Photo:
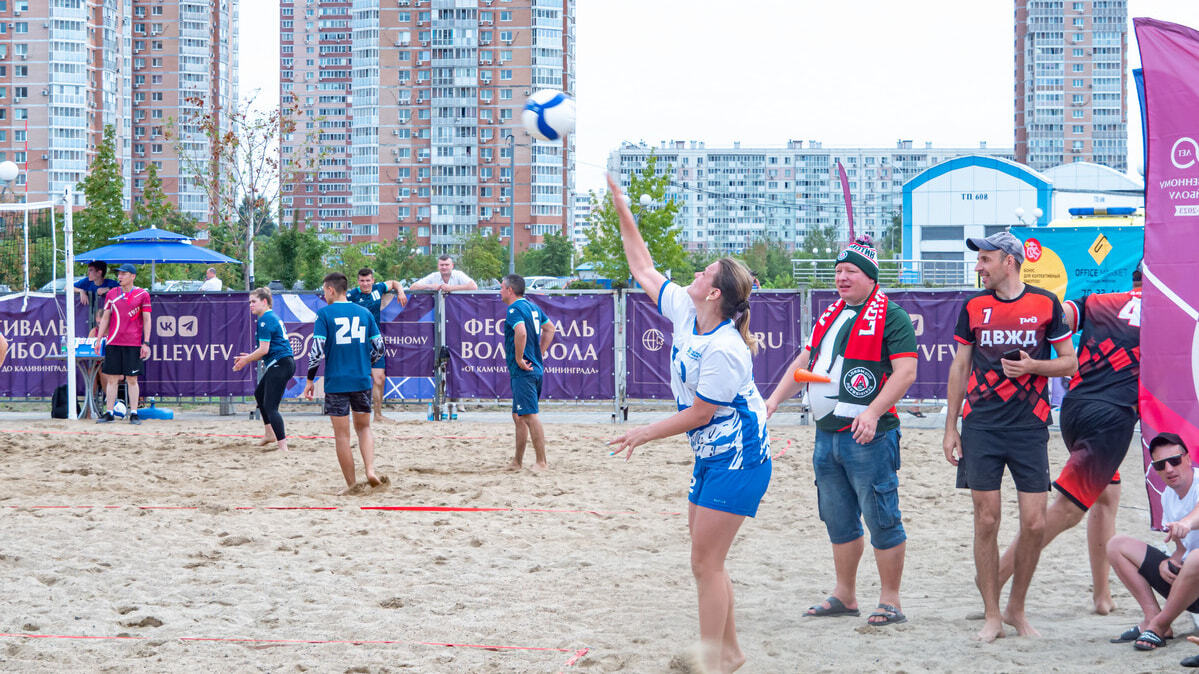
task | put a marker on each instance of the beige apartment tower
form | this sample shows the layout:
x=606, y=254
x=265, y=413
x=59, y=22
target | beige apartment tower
x=417, y=104
x=1071, y=105
x=68, y=68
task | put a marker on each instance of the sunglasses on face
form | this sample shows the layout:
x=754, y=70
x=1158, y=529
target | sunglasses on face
x=1160, y=464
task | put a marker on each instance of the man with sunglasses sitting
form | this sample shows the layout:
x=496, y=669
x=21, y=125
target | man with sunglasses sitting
x=1144, y=568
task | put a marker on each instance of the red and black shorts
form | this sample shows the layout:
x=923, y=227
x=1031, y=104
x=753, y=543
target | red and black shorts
x=1097, y=434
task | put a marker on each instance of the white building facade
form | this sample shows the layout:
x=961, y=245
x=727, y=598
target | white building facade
x=730, y=197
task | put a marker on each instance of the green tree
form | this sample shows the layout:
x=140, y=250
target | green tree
x=232, y=154
x=153, y=209
x=104, y=217
x=291, y=255
x=821, y=244
x=261, y=217
x=772, y=263
x=483, y=257
x=553, y=259
x=398, y=259
x=890, y=245
x=655, y=222
x=355, y=256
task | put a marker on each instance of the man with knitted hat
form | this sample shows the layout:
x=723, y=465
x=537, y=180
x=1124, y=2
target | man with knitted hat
x=866, y=346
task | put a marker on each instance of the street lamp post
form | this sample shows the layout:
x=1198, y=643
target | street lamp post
x=512, y=204
x=1036, y=215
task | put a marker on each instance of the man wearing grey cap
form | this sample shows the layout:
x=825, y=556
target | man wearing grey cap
x=1007, y=337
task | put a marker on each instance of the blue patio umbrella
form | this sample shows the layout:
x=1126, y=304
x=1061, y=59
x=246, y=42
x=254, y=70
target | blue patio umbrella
x=153, y=246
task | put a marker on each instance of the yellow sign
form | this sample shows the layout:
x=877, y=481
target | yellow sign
x=1099, y=249
x=1047, y=272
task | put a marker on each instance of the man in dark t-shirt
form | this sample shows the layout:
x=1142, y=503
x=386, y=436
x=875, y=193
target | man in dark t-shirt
x=1098, y=417
x=1006, y=337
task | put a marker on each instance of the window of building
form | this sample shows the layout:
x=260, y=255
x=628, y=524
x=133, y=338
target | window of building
x=1076, y=67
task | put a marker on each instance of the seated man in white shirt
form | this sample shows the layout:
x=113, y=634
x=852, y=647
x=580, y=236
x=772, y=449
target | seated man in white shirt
x=211, y=282
x=446, y=278
x=1144, y=568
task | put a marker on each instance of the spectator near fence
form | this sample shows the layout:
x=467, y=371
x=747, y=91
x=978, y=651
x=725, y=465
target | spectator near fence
x=446, y=278
x=211, y=283
x=92, y=291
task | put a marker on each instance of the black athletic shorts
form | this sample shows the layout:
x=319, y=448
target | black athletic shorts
x=1097, y=434
x=985, y=451
x=126, y=360
x=340, y=404
x=1150, y=570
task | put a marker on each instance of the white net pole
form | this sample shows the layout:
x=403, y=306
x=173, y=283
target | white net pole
x=25, y=302
x=54, y=253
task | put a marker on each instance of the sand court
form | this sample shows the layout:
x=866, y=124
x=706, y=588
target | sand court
x=183, y=546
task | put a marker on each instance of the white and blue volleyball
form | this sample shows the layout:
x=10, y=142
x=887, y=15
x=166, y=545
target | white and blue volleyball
x=118, y=409
x=549, y=114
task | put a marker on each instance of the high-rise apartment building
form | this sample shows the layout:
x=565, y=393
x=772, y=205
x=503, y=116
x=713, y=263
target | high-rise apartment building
x=64, y=75
x=68, y=68
x=184, y=59
x=730, y=197
x=410, y=106
x=1071, y=59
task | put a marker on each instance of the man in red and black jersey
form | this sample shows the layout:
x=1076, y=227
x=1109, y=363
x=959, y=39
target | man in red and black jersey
x=1006, y=337
x=1098, y=417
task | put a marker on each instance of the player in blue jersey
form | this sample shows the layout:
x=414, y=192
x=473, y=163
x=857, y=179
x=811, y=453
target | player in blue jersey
x=527, y=336
x=373, y=297
x=279, y=365
x=723, y=415
x=347, y=337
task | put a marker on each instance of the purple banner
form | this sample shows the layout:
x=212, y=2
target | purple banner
x=776, y=319
x=934, y=315
x=407, y=335
x=33, y=327
x=582, y=356
x=1169, y=393
x=193, y=341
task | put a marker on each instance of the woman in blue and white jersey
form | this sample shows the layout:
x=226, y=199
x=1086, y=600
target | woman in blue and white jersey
x=722, y=413
x=274, y=350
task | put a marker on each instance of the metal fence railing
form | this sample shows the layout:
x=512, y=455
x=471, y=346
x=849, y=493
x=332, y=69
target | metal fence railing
x=925, y=273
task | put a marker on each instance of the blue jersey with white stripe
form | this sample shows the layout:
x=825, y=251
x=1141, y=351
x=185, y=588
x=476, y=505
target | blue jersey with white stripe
x=345, y=332
x=531, y=315
x=715, y=367
x=372, y=301
x=270, y=329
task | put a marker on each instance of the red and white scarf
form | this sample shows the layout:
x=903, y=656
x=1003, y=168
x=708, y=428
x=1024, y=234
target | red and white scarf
x=866, y=336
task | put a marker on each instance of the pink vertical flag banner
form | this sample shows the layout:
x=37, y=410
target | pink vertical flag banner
x=848, y=201
x=1169, y=395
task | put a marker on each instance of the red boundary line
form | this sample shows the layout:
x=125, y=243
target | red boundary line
x=578, y=653
x=227, y=435
x=429, y=509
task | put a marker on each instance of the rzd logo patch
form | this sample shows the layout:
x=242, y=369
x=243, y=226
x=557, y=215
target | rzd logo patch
x=859, y=382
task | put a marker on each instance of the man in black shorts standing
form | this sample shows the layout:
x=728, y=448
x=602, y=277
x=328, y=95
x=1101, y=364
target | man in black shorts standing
x=1098, y=417
x=1005, y=335
x=126, y=322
